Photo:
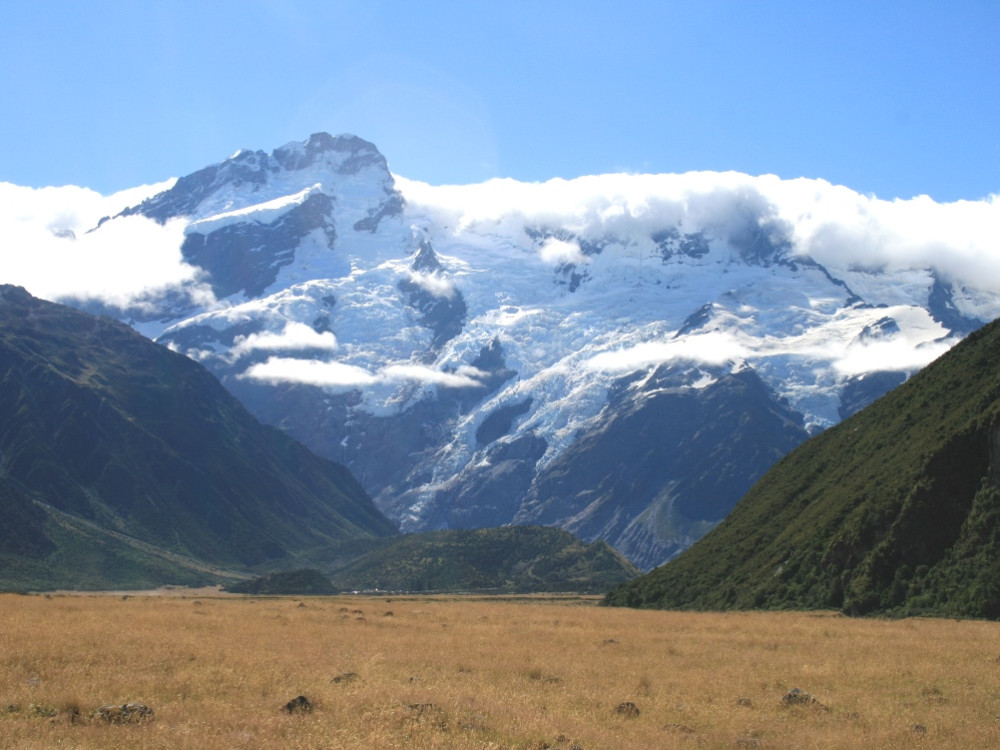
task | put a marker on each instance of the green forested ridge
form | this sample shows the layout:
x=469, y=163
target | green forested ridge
x=896, y=510
x=101, y=429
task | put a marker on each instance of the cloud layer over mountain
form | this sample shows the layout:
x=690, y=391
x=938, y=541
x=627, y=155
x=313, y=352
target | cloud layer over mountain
x=50, y=251
x=831, y=224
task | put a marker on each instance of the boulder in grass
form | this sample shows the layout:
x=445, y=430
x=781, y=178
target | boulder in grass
x=627, y=709
x=127, y=713
x=797, y=697
x=299, y=705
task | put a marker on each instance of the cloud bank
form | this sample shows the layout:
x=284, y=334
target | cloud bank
x=49, y=247
x=832, y=224
x=848, y=356
x=556, y=251
x=714, y=348
x=433, y=284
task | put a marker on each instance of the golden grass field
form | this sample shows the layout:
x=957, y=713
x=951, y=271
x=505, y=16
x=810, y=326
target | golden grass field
x=436, y=672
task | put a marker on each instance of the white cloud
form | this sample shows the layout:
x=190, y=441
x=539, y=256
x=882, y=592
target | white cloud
x=592, y=205
x=713, y=348
x=129, y=258
x=895, y=355
x=338, y=375
x=310, y=372
x=839, y=227
x=294, y=336
x=49, y=248
x=434, y=284
x=429, y=376
x=556, y=252
x=848, y=356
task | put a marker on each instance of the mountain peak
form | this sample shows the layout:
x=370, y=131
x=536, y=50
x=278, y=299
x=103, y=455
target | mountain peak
x=347, y=154
x=425, y=260
x=247, y=177
x=11, y=293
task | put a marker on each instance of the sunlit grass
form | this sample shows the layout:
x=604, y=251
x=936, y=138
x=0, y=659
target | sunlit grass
x=474, y=673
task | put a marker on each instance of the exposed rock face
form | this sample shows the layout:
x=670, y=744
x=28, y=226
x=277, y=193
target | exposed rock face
x=862, y=390
x=442, y=310
x=247, y=257
x=251, y=172
x=247, y=169
x=500, y=421
x=941, y=303
x=666, y=463
x=349, y=155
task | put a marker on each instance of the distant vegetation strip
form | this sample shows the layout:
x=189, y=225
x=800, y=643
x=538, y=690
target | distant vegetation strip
x=506, y=559
x=305, y=582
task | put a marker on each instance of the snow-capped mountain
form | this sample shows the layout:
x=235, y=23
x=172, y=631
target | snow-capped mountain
x=621, y=356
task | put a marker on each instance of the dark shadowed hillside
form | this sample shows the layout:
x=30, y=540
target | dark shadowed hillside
x=124, y=463
x=895, y=510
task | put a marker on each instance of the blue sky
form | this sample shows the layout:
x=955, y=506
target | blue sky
x=894, y=99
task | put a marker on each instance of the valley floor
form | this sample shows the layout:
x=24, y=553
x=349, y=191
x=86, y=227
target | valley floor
x=451, y=672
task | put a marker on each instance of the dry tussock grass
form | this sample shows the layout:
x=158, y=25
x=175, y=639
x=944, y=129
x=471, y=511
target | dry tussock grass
x=467, y=673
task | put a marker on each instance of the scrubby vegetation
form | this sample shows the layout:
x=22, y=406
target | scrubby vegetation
x=305, y=582
x=507, y=559
x=503, y=673
x=893, y=511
